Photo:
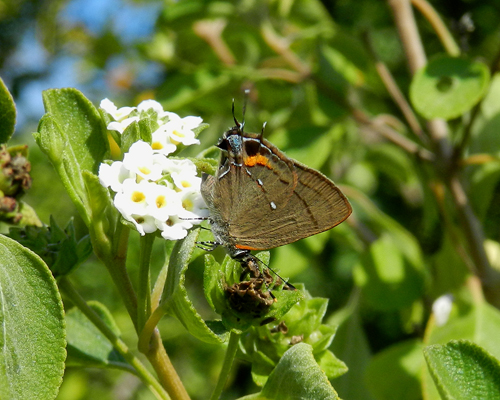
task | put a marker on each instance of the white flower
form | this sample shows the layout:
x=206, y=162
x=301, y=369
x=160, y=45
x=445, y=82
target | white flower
x=186, y=180
x=161, y=142
x=132, y=198
x=118, y=114
x=180, y=130
x=195, y=208
x=173, y=228
x=179, y=166
x=150, y=104
x=442, y=308
x=114, y=175
x=120, y=126
x=141, y=160
x=133, y=206
x=152, y=191
x=143, y=223
x=163, y=202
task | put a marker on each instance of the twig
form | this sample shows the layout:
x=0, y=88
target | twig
x=437, y=23
x=393, y=136
x=396, y=94
x=446, y=165
x=282, y=47
x=479, y=159
x=473, y=231
x=408, y=32
x=439, y=193
x=211, y=32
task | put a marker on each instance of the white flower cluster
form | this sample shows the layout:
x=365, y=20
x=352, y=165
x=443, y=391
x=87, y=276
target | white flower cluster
x=152, y=191
x=172, y=131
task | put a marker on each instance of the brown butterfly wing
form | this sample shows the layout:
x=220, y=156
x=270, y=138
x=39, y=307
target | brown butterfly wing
x=267, y=205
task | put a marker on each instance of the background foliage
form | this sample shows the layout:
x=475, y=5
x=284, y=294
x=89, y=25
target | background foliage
x=314, y=70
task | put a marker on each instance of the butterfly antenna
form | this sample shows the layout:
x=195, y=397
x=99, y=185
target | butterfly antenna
x=245, y=102
x=234, y=116
x=261, y=136
x=289, y=285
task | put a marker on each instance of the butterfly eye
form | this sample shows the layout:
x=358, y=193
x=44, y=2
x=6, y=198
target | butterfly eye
x=222, y=144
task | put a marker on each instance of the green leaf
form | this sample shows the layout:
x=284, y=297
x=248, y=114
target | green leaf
x=479, y=323
x=393, y=162
x=351, y=346
x=73, y=136
x=447, y=87
x=87, y=346
x=338, y=71
x=104, y=215
x=31, y=326
x=331, y=365
x=378, y=221
x=310, y=145
x=263, y=346
x=485, y=128
x=403, y=362
x=138, y=130
x=81, y=123
x=207, y=165
x=57, y=247
x=297, y=376
x=7, y=113
x=484, y=183
x=186, y=89
x=175, y=300
x=446, y=280
x=463, y=370
x=390, y=279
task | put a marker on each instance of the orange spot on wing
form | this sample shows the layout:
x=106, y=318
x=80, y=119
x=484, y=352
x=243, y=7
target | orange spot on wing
x=242, y=247
x=257, y=159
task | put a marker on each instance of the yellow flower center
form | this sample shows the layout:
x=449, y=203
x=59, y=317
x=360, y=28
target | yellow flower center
x=161, y=201
x=178, y=134
x=145, y=170
x=187, y=204
x=156, y=146
x=138, y=197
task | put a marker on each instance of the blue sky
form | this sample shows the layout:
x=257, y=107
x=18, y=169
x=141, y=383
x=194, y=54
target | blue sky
x=132, y=22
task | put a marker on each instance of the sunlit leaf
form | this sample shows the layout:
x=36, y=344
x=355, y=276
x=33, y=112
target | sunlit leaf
x=297, y=376
x=87, y=346
x=31, y=326
x=7, y=113
x=403, y=362
x=462, y=370
x=447, y=87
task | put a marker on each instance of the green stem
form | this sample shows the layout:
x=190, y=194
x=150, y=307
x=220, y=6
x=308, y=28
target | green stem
x=148, y=330
x=167, y=374
x=232, y=346
x=144, y=289
x=141, y=371
x=114, y=257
